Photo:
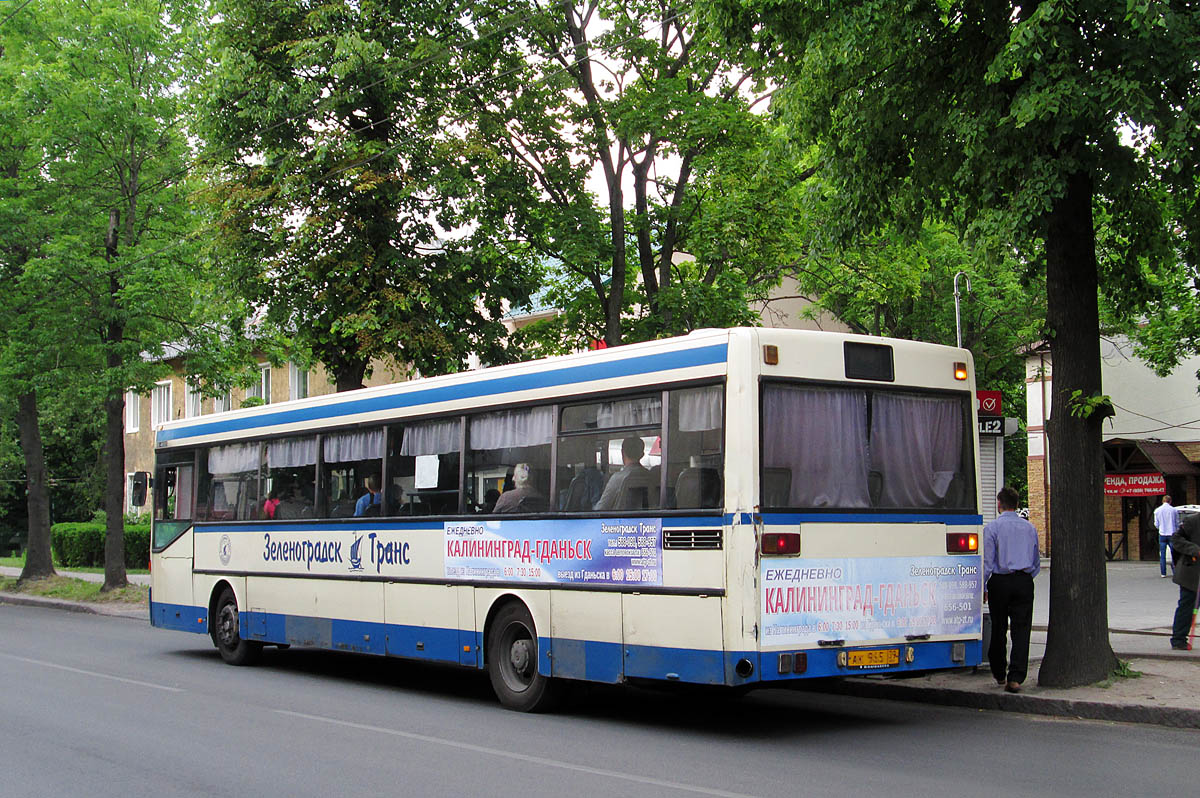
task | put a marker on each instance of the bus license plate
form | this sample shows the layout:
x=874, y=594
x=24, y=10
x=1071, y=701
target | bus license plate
x=874, y=658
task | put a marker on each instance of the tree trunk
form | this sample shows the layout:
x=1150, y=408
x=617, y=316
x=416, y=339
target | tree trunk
x=114, y=427
x=348, y=373
x=1077, y=647
x=38, y=562
x=114, y=492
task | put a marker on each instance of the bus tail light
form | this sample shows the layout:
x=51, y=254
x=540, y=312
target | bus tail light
x=962, y=542
x=780, y=543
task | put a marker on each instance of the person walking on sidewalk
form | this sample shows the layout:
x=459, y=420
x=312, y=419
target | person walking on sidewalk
x=1010, y=562
x=1166, y=521
x=1185, y=547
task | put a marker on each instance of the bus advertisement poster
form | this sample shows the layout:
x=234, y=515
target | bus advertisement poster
x=589, y=551
x=870, y=598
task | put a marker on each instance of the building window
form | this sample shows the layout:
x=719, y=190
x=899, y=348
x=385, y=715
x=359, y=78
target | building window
x=223, y=403
x=191, y=405
x=263, y=389
x=133, y=411
x=264, y=380
x=160, y=404
x=297, y=382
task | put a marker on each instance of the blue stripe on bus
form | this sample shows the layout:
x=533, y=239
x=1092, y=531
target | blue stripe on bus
x=569, y=658
x=180, y=617
x=592, y=372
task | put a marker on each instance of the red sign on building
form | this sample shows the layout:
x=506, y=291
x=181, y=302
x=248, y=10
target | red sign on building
x=1151, y=484
x=989, y=403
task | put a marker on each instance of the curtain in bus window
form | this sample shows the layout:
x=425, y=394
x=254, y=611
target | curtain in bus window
x=817, y=439
x=349, y=447
x=292, y=452
x=430, y=437
x=701, y=410
x=630, y=412
x=916, y=445
x=233, y=459
x=510, y=429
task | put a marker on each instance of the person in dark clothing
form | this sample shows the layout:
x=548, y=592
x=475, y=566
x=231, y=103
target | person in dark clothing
x=1010, y=562
x=1185, y=551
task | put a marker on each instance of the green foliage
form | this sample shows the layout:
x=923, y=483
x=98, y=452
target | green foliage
x=81, y=545
x=619, y=140
x=1098, y=405
x=340, y=182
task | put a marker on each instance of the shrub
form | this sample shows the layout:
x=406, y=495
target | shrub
x=81, y=545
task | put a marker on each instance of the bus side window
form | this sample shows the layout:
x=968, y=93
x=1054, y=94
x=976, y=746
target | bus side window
x=695, y=450
x=291, y=478
x=352, y=463
x=509, y=451
x=228, y=485
x=422, y=467
x=174, y=492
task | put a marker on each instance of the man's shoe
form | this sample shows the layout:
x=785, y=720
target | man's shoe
x=1012, y=687
x=1162, y=576
x=1180, y=647
x=1001, y=682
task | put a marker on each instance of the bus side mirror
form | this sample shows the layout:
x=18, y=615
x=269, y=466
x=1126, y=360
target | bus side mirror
x=141, y=481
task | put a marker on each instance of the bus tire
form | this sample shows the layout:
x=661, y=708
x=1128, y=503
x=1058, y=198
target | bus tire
x=226, y=635
x=512, y=659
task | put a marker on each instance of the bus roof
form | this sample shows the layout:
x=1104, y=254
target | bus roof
x=703, y=354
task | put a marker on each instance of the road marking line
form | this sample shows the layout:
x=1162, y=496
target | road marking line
x=69, y=669
x=536, y=760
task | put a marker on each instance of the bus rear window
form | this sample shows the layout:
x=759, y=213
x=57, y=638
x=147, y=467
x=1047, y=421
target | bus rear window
x=852, y=448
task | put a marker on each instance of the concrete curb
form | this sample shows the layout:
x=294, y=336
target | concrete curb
x=88, y=608
x=1030, y=705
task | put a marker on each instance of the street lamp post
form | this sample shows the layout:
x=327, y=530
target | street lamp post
x=957, y=315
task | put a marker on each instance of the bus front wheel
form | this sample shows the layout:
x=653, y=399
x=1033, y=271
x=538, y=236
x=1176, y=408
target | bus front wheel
x=226, y=635
x=512, y=662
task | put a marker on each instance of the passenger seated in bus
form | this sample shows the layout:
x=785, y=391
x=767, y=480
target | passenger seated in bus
x=489, y=501
x=584, y=491
x=522, y=480
x=369, y=499
x=271, y=504
x=292, y=504
x=632, y=475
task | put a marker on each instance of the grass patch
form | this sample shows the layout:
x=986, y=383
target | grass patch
x=1122, y=671
x=64, y=587
x=19, y=562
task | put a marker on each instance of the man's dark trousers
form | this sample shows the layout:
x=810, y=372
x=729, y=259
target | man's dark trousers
x=1010, y=598
x=1183, y=618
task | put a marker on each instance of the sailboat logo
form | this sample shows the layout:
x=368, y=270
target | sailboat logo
x=355, y=557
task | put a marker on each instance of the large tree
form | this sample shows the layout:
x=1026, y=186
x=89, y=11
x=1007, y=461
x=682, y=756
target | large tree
x=334, y=178
x=1026, y=120
x=113, y=152
x=611, y=130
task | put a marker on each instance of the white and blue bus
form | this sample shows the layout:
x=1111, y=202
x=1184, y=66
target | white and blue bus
x=735, y=507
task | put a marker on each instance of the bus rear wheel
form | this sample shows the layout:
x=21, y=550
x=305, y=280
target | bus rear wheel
x=512, y=662
x=226, y=635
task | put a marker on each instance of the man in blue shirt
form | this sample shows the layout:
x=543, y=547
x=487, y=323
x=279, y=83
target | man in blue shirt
x=1010, y=562
x=370, y=498
x=1166, y=520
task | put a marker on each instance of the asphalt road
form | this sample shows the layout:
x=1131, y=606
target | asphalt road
x=103, y=706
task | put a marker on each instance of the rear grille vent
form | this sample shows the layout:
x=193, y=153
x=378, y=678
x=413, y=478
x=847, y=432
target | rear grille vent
x=709, y=538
